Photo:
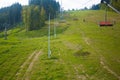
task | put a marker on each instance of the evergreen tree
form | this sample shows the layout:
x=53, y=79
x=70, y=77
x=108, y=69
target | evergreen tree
x=95, y=7
x=38, y=13
x=42, y=16
x=10, y=15
x=33, y=16
x=50, y=6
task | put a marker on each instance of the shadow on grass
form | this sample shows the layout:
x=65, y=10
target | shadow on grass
x=45, y=57
x=54, y=58
x=82, y=53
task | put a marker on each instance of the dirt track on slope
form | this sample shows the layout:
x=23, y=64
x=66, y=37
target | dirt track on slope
x=27, y=66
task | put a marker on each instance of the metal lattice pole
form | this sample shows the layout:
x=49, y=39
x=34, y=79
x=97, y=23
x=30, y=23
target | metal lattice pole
x=54, y=27
x=5, y=34
x=49, y=51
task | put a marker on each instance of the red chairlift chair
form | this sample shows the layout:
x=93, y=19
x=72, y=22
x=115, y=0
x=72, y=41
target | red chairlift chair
x=105, y=23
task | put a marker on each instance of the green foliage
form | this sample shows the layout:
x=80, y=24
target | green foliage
x=33, y=16
x=10, y=15
x=42, y=16
x=50, y=6
x=95, y=7
x=116, y=4
x=36, y=13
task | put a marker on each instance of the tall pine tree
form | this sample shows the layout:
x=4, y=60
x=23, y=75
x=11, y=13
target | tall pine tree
x=38, y=12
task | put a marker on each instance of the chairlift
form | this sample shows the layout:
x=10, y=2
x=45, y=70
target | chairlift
x=106, y=22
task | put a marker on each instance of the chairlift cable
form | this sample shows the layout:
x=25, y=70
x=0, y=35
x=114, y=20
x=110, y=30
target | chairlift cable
x=49, y=51
x=86, y=2
x=111, y=7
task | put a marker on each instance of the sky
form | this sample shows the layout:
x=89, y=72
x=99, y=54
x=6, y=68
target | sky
x=5, y=3
x=66, y=4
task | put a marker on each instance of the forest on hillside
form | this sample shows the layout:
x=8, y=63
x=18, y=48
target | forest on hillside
x=34, y=15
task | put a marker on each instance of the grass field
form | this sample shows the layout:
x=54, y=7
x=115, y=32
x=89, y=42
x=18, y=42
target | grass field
x=81, y=50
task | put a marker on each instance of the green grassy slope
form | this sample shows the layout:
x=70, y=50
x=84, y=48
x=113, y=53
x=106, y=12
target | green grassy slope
x=81, y=51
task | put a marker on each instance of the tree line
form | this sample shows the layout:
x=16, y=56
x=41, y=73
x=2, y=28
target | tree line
x=10, y=15
x=33, y=16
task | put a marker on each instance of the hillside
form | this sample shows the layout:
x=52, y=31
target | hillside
x=82, y=50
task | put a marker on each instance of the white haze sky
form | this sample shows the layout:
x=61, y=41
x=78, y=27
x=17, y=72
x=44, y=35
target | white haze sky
x=66, y=4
